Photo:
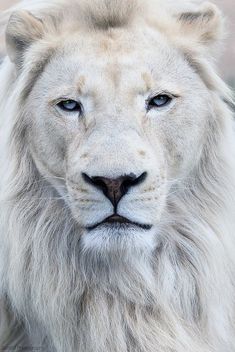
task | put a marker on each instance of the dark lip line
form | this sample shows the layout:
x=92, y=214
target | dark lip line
x=111, y=219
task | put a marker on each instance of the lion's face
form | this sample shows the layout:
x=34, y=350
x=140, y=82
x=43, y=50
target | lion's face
x=116, y=119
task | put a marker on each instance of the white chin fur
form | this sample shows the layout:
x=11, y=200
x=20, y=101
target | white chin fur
x=118, y=238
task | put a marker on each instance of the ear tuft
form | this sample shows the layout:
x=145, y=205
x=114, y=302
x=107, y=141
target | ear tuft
x=22, y=30
x=205, y=24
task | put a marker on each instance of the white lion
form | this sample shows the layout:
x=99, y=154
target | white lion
x=117, y=179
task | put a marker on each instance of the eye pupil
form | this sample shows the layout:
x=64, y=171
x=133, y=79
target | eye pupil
x=69, y=105
x=159, y=101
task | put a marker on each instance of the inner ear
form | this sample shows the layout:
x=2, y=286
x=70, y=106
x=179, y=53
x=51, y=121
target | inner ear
x=22, y=30
x=204, y=24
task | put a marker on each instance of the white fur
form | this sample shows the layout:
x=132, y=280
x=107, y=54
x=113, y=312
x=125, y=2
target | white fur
x=64, y=288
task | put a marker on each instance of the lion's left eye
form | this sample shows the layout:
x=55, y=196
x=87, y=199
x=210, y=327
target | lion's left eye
x=159, y=101
x=70, y=106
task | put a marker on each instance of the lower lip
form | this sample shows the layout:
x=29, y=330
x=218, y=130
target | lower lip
x=120, y=226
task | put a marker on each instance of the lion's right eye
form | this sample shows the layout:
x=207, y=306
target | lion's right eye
x=70, y=106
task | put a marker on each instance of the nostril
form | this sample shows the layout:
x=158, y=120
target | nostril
x=140, y=179
x=95, y=181
x=99, y=182
x=131, y=180
x=87, y=178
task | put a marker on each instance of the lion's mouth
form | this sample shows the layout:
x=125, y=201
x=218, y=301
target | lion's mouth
x=116, y=219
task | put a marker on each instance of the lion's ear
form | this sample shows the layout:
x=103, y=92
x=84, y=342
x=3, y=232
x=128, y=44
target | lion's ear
x=22, y=30
x=204, y=26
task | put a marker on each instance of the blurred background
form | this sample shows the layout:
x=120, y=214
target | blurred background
x=227, y=61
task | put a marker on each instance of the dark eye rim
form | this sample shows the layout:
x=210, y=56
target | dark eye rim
x=150, y=101
x=78, y=107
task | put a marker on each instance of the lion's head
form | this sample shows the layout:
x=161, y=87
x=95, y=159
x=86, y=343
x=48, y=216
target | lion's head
x=117, y=135
x=114, y=115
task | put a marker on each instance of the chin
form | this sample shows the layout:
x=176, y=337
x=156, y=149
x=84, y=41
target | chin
x=120, y=238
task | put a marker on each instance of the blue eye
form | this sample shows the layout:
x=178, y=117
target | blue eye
x=70, y=106
x=159, y=101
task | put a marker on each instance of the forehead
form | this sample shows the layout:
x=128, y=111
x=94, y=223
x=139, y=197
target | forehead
x=120, y=58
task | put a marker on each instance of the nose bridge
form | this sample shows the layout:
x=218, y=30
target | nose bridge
x=119, y=128
x=119, y=149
